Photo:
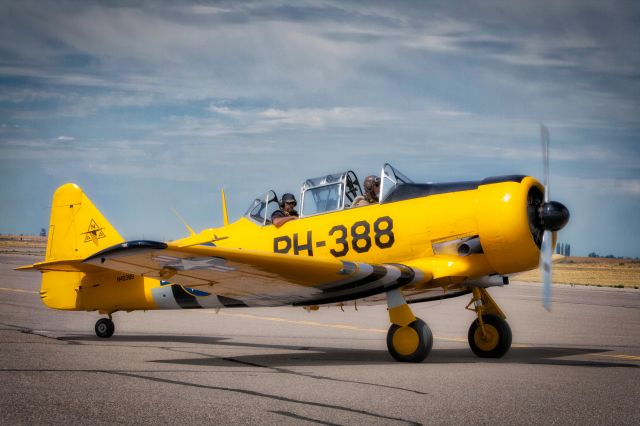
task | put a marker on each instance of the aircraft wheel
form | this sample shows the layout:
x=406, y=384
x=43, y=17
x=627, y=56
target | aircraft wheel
x=411, y=343
x=105, y=328
x=496, y=341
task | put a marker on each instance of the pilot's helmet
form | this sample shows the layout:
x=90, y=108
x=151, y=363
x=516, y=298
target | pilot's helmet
x=288, y=197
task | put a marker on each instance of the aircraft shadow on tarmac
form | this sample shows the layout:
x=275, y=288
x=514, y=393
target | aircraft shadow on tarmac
x=297, y=355
x=166, y=339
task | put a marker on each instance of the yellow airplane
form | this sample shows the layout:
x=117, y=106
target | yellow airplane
x=421, y=242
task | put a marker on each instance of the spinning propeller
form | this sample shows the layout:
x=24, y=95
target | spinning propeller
x=553, y=217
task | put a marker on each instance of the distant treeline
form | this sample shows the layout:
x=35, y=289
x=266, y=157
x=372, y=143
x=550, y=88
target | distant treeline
x=611, y=256
x=565, y=250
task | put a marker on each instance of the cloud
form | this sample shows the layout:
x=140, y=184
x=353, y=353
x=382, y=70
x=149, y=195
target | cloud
x=228, y=121
x=228, y=90
x=451, y=113
x=322, y=118
x=224, y=110
x=311, y=53
x=610, y=187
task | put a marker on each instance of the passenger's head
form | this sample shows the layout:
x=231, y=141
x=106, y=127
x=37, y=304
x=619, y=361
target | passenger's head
x=372, y=187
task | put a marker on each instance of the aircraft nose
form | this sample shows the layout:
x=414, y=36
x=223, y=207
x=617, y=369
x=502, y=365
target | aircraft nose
x=554, y=215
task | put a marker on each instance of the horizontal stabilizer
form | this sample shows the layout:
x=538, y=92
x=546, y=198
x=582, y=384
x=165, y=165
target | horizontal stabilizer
x=67, y=265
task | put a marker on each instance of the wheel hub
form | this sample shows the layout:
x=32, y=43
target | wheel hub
x=489, y=340
x=406, y=340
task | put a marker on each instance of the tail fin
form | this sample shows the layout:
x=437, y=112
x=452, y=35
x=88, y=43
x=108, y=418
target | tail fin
x=77, y=229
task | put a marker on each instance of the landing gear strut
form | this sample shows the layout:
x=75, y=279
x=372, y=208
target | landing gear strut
x=490, y=335
x=409, y=339
x=105, y=327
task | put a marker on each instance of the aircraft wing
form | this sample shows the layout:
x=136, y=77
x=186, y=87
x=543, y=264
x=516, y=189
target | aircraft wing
x=262, y=277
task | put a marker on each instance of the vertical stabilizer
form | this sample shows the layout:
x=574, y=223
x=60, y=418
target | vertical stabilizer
x=77, y=229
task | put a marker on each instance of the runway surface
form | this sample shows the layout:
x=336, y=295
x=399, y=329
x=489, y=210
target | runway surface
x=579, y=364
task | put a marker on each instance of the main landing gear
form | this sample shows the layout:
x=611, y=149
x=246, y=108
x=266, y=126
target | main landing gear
x=490, y=335
x=105, y=327
x=409, y=339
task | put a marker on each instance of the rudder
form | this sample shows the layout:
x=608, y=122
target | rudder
x=77, y=229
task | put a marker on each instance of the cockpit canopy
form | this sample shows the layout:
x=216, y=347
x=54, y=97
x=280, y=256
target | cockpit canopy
x=262, y=208
x=325, y=194
x=329, y=193
x=390, y=180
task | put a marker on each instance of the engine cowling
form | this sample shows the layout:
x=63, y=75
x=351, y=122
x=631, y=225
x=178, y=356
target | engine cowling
x=509, y=224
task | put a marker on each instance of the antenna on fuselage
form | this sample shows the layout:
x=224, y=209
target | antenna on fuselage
x=184, y=222
x=225, y=215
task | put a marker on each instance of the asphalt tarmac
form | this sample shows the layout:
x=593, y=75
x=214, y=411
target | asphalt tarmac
x=578, y=364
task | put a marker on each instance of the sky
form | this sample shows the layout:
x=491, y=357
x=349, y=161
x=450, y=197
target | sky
x=153, y=106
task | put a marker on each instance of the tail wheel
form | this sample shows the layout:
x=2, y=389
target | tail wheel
x=411, y=343
x=105, y=328
x=496, y=340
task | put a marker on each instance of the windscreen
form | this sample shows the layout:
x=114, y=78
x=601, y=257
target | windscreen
x=322, y=199
x=262, y=207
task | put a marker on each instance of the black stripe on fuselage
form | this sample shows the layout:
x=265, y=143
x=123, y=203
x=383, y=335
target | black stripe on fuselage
x=363, y=287
x=406, y=274
x=378, y=273
x=228, y=302
x=184, y=299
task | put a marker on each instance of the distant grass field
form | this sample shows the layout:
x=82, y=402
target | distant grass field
x=566, y=270
x=28, y=244
x=590, y=271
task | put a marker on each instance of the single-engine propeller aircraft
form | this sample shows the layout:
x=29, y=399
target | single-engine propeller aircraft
x=421, y=242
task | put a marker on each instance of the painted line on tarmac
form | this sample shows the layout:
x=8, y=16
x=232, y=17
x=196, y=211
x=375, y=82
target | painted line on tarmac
x=620, y=356
x=302, y=322
x=337, y=326
x=18, y=290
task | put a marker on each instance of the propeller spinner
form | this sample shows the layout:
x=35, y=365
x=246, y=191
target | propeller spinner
x=553, y=217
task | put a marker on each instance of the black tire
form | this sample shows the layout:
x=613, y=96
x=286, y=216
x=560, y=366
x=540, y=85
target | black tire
x=499, y=341
x=422, y=346
x=105, y=328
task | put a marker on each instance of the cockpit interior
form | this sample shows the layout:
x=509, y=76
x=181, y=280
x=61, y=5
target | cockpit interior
x=325, y=194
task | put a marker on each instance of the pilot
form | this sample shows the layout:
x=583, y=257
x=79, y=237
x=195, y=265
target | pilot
x=286, y=212
x=371, y=192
